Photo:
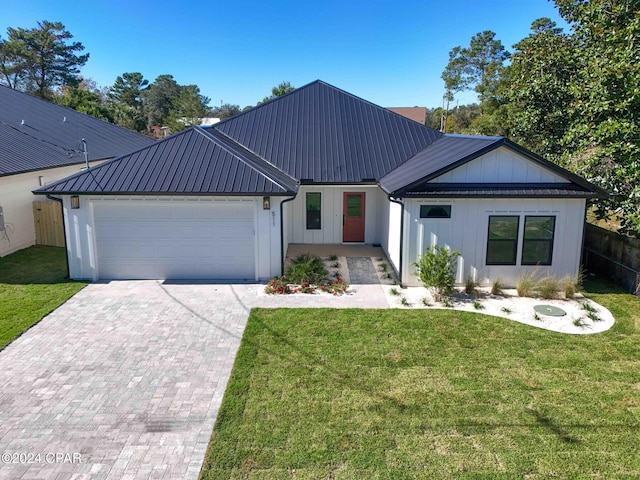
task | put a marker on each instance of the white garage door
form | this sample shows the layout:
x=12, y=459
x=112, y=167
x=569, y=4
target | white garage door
x=175, y=240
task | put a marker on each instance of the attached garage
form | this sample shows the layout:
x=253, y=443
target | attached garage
x=175, y=240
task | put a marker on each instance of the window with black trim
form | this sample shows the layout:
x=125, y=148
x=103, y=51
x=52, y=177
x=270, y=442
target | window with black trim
x=537, y=241
x=314, y=202
x=502, y=241
x=435, y=211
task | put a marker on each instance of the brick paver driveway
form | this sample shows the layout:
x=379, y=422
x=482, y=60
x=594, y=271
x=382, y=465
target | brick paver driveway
x=123, y=381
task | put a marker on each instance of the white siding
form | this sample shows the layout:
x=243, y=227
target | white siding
x=17, y=200
x=81, y=237
x=331, y=211
x=501, y=165
x=467, y=229
x=390, y=218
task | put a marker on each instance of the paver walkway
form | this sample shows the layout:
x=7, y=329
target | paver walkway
x=125, y=380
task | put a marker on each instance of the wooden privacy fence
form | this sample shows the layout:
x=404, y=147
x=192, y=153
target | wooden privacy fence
x=613, y=255
x=47, y=217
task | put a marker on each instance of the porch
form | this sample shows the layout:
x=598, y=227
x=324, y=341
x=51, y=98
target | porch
x=356, y=264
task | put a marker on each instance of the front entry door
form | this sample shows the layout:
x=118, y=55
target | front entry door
x=353, y=217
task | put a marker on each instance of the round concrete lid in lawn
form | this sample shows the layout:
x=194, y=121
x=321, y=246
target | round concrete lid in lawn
x=549, y=310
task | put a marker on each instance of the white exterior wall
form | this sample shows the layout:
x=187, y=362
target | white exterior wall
x=17, y=200
x=390, y=219
x=331, y=211
x=500, y=165
x=81, y=241
x=467, y=231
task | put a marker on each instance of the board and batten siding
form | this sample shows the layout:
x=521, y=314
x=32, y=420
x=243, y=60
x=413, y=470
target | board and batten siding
x=331, y=214
x=498, y=166
x=467, y=231
x=81, y=236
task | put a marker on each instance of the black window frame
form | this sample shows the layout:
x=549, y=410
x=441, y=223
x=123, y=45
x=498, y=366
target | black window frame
x=531, y=241
x=513, y=241
x=314, y=221
x=445, y=208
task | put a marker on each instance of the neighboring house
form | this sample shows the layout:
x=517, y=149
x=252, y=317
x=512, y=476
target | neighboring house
x=41, y=142
x=321, y=166
x=417, y=114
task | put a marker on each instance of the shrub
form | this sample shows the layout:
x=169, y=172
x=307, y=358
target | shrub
x=307, y=268
x=278, y=285
x=477, y=305
x=337, y=287
x=435, y=270
x=571, y=285
x=497, y=286
x=526, y=284
x=394, y=291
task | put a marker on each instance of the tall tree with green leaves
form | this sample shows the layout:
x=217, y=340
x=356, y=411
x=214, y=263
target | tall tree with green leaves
x=41, y=59
x=536, y=87
x=158, y=99
x=602, y=141
x=127, y=90
x=85, y=97
x=225, y=110
x=187, y=109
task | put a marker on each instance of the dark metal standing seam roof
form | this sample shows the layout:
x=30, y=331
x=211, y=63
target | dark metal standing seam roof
x=322, y=134
x=191, y=162
x=500, y=190
x=62, y=128
x=20, y=152
x=442, y=155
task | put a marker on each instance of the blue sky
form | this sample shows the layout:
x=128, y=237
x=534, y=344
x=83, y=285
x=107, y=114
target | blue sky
x=389, y=52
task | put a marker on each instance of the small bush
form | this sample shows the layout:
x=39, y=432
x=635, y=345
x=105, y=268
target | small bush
x=333, y=257
x=548, y=287
x=506, y=310
x=383, y=267
x=587, y=307
x=335, y=265
x=594, y=316
x=307, y=268
x=526, y=284
x=571, y=285
x=579, y=322
x=435, y=270
x=425, y=302
x=447, y=302
x=477, y=305
x=337, y=287
x=497, y=287
x=278, y=286
x=405, y=302
x=394, y=291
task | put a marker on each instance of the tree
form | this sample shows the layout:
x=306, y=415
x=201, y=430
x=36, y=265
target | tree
x=478, y=66
x=84, y=97
x=40, y=59
x=128, y=89
x=602, y=141
x=158, y=99
x=536, y=87
x=187, y=109
x=225, y=110
x=279, y=90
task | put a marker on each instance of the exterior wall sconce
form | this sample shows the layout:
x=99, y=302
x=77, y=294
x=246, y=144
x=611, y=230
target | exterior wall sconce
x=266, y=203
x=75, y=201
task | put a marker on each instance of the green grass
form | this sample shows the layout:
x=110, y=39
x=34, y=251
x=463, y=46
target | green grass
x=382, y=394
x=32, y=284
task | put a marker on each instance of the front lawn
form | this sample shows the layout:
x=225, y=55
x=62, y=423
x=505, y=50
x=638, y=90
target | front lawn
x=429, y=394
x=32, y=284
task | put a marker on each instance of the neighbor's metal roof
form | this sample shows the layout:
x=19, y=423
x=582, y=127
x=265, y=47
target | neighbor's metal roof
x=62, y=129
x=322, y=134
x=191, y=162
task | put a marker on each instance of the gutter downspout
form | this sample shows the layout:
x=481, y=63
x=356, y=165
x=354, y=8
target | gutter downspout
x=282, y=252
x=401, y=237
x=64, y=232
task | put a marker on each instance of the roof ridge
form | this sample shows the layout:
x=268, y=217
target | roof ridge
x=224, y=143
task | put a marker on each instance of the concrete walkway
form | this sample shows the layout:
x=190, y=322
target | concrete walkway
x=125, y=380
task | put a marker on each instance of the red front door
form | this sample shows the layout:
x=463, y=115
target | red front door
x=353, y=217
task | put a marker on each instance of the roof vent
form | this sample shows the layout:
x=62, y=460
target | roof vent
x=64, y=119
x=22, y=122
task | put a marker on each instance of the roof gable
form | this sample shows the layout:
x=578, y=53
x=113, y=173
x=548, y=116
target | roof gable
x=191, y=162
x=60, y=127
x=322, y=134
